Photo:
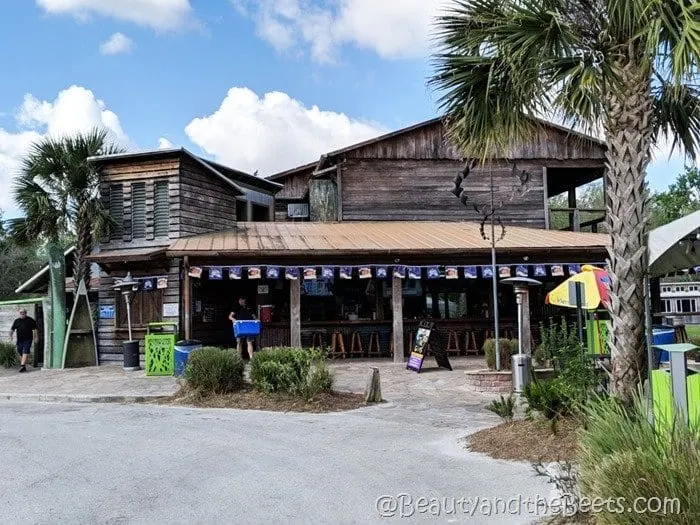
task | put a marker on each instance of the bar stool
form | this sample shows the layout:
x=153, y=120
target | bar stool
x=373, y=350
x=470, y=345
x=356, y=345
x=317, y=340
x=337, y=345
x=452, y=343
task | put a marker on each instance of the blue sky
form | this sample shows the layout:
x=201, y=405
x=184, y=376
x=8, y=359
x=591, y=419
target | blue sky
x=258, y=84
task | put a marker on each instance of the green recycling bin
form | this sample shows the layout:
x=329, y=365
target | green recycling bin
x=160, y=349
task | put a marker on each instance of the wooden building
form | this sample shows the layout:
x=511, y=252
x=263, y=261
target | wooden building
x=200, y=234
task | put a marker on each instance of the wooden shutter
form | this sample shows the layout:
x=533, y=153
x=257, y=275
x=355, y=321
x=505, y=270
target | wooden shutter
x=116, y=211
x=138, y=210
x=161, y=219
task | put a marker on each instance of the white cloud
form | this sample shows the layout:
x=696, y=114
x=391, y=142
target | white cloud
x=116, y=44
x=161, y=15
x=75, y=109
x=382, y=26
x=273, y=132
x=164, y=143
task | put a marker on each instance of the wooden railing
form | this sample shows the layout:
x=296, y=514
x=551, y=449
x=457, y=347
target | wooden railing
x=572, y=219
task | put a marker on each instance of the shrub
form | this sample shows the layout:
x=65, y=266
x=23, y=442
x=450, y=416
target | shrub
x=554, y=339
x=213, y=370
x=508, y=348
x=503, y=407
x=295, y=371
x=623, y=456
x=8, y=355
x=550, y=398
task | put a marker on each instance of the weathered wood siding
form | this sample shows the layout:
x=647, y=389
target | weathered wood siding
x=430, y=142
x=296, y=186
x=109, y=337
x=205, y=203
x=421, y=190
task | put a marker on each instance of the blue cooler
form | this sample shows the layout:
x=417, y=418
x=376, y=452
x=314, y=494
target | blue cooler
x=182, y=353
x=663, y=335
x=246, y=328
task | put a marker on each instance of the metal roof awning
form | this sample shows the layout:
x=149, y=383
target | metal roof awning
x=398, y=238
x=127, y=256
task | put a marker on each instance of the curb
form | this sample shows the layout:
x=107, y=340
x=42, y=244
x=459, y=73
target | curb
x=71, y=398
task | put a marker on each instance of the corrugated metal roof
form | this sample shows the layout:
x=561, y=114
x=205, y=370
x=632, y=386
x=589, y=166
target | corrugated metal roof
x=407, y=237
x=133, y=254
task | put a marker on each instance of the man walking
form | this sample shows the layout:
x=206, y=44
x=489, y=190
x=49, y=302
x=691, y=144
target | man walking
x=241, y=312
x=27, y=332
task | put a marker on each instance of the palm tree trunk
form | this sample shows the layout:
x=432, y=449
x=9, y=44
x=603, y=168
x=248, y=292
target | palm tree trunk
x=83, y=243
x=57, y=274
x=628, y=133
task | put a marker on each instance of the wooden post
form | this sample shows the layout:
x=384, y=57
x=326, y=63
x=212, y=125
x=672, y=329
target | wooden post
x=572, y=208
x=295, y=313
x=397, y=312
x=187, y=298
x=545, y=192
x=249, y=211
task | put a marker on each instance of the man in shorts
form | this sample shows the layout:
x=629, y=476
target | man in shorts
x=27, y=332
x=241, y=312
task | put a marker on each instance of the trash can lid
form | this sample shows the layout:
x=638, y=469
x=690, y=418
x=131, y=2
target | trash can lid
x=188, y=342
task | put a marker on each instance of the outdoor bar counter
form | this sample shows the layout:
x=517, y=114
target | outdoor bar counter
x=458, y=336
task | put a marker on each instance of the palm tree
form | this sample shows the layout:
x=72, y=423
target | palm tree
x=58, y=191
x=625, y=68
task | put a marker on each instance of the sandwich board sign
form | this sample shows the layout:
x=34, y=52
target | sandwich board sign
x=427, y=338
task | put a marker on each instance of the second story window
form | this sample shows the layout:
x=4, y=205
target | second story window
x=116, y=212
x=138, y=210
x=161, y=214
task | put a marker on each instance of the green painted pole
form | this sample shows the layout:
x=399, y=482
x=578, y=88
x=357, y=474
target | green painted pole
x=57, y=272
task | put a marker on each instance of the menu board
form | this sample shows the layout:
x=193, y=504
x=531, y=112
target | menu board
x=427, y=338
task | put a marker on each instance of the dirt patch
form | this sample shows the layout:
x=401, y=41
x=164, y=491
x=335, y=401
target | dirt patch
x=251, y=399
x=528, y=441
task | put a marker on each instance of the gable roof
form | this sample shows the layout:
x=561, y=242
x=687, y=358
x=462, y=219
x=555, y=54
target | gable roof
x=235, y=178
x=326, y=157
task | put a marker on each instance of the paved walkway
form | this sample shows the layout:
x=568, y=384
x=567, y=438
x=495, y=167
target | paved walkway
x=432, y=387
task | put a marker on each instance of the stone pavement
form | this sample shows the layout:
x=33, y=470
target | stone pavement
x=110, y=383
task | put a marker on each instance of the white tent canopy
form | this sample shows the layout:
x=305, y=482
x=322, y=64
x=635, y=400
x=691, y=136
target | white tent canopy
x=675, y=246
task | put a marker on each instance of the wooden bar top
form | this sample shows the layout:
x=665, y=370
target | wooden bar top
x=364, y=322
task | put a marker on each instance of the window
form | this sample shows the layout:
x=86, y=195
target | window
x=446, y=305
x=260, y=213
x=116, y=212
x=138, y=210
x=161, y=213
x=146, y=307
x=241, y=211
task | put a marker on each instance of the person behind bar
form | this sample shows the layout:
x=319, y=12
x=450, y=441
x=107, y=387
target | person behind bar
x=27, y=332
x=241, y=312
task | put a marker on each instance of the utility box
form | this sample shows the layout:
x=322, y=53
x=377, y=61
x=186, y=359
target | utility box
x=160, y=349
x=676, y=389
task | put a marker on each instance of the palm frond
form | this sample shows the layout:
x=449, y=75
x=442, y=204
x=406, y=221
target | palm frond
x=677, y=116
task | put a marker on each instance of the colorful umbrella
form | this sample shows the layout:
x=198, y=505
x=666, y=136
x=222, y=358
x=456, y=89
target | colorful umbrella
x=596, y=283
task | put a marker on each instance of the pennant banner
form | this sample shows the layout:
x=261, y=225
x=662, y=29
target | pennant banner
x=486, y=272
x=327, y=272
x=574, y=269
x=195, y=271
x=380, y=272
x=309, y=273
x=273, y=272
x=365, y=272
x=540, y=270
x=346, y=272
x=215, y=273
x=521, y=271
x=291, y=273
x=557, y=270
x=470, y=272
x=504, y=271
x=234, y=273
x=414, y=272
x=451, y=272
x=400, y=272
x=433, y=272
x=162, y=283
x=254, y=272
x=148, y=285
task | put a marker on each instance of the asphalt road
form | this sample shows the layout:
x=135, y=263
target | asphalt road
x=104, y=463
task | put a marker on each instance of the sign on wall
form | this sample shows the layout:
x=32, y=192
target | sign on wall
x=171, y=310
x=107, y=312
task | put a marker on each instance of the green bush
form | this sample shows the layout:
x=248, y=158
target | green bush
x=503, y=407
x=8, y=355
x=213, y=370
x=554, y=339
x=550, y=398
x=293, y=371
x=508, y=348
x=623, y=456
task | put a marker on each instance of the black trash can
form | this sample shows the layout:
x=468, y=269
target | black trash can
x=131, y=356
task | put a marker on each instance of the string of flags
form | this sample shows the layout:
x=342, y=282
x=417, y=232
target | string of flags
x=217, y=273
x=150, y=283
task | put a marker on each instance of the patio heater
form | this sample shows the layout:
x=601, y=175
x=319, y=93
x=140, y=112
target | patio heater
x=127, y=286
x=522, y=361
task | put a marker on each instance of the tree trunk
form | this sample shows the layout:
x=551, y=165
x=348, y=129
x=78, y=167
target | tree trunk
x=83, y=244
x=628, y=134
x=373, y=392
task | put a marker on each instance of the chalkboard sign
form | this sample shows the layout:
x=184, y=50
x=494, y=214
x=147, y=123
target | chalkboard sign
x=427, y=338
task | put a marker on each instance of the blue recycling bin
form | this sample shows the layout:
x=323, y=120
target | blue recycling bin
x=663, y=335
x=246, y=328
x=182, y=353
